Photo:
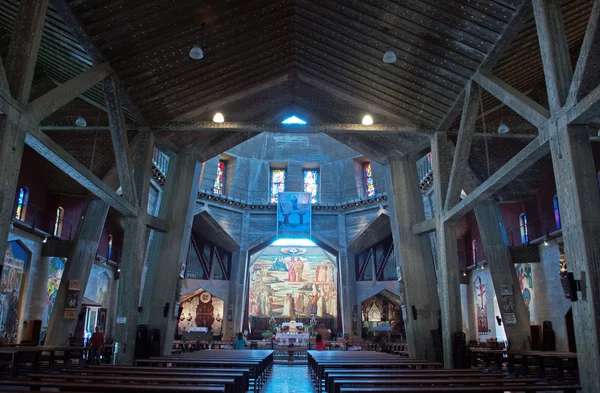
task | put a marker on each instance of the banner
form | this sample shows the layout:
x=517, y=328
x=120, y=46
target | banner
x=294, y=215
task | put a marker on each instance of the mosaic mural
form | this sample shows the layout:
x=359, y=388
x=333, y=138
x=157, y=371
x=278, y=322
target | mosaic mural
x=15, y=262
x=292, y=282
x=55, y=272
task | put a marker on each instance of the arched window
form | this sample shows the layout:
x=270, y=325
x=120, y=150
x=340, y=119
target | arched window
x=556, y=211
x=475, y=252
x=109, y=252
x=524, y=229
x=58, y=223
x=22, y=204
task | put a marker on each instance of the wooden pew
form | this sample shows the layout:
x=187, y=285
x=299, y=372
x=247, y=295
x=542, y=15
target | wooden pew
x=462, y=389
x=111, y=387
x=228, y=383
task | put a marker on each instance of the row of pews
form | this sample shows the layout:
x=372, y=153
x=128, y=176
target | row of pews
x=223, y=371
x=371, y=372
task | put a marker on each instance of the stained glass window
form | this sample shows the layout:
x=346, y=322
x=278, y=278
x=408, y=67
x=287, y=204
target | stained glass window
x=59, y=221
x=219, y=186
x=556, y=212
x=311, y=184
x=524, y=228
x=369, y=184
x=22, y=204
x=110, y=247
x=277, y=183
x=475, y=251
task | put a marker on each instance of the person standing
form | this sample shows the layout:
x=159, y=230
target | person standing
x=239, y=342
x=96, y=345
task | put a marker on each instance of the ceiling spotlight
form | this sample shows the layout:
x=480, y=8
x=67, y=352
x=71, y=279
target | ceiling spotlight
x=367, y=120
x=218, y=118
x=464, y=273
x=389, y=57
x=45, y=240
x=81, y=122
x=503, y=128
x=546, y=243
x=196, y=53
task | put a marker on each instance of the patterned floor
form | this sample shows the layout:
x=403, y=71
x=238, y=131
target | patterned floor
x=289, y=379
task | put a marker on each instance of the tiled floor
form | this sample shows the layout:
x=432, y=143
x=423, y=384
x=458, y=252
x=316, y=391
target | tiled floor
x=289, y=379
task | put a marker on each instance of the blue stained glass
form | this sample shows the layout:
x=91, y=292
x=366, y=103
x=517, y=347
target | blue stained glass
x=311, y=184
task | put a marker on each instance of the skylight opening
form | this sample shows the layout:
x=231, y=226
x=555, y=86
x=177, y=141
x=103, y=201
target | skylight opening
x=293, y=120
x=293, y=242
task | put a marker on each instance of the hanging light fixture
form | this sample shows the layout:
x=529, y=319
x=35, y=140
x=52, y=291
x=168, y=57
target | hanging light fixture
x=503, y=128
x=367, y=120
x=389, y=57
x=218, y=117
x=196, y=53
x=81, y=122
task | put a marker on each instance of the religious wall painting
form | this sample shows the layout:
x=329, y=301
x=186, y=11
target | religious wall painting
x=482, y=309
x=55, y=272
x=294, y=215
x=102, y=291
x=290, y=282
x=525, y=276
x=11, y=279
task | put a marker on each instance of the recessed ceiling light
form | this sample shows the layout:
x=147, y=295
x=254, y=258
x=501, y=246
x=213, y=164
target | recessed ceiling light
x=367, y=120
x=389, y=57
x=81, y=122
x=218, y=118
x=196, y=53
x=503, y=128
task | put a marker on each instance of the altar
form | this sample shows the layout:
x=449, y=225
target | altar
x=297, y=338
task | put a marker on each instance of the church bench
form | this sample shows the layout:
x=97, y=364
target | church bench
x=330, y=375
x=241, y=378
x=443, y=380
x=241, y=374
x=463, y=389
x=229, y=383
x=112, y=387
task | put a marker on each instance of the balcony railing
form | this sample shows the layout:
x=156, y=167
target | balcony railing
x=38, y=219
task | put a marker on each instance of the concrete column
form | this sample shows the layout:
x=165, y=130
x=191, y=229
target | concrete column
x=502, y=270
x=414, y=257
x=238, y=285
x=134, y=247
x=78, y=267
x=12, y=141
x=447, y=251
x=579, y=202
x=347, y=285
x=178, y=208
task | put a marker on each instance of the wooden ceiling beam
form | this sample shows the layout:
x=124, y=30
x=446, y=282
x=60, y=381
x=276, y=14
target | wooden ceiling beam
x=58, y=156
x=522, y=161
x=204, y=126
x=514, y=99
x=586, y=75
x=24, y=47
x=463, y=145
x=220, y=103
x=61, y=95
x=119, y=138
x=555, y=51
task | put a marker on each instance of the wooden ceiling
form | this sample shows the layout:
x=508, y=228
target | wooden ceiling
x=264, y=59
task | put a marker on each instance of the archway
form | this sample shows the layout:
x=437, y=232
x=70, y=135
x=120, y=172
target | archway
x=382, y=316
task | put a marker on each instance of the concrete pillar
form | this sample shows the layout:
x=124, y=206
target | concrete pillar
x=414, y=257
x=447, y=251
x=238, y=286
x=502, y=271
x=347, y=285
x=178, y=208
x=78, y=267
x=12, y=141
x=579, y=201
x=134, y=247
